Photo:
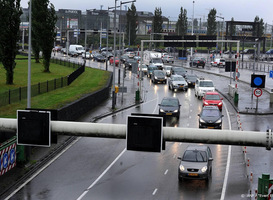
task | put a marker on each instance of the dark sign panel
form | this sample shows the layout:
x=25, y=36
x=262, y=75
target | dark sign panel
x=33, y=128
x=144, y=133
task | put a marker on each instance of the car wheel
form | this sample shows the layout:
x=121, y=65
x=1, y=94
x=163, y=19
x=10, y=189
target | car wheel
x=180, y=179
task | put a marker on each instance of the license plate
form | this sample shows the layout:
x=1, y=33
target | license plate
x=210, y=127
x=181, y=86
x=193, y=174
x=168, y=113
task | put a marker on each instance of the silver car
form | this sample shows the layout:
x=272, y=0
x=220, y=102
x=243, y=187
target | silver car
x=177, y=82
x=196, y=163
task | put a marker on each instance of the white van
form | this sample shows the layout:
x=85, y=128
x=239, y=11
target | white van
x=76, y=50
x=202, y=86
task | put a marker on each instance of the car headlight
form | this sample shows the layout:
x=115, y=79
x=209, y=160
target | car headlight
x=165, y=77
x=219, y=121
x=220, y=103
x=161, y=110
x=204, y=169
x=175, y=111
x=155, y=77
x=206, y=103
x=182, y=168
x=202, y=121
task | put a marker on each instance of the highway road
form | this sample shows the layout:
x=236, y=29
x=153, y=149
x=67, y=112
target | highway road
x=96, y=168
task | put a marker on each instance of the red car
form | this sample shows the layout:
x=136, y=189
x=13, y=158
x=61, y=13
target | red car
x=112, y=61
x=213, y=99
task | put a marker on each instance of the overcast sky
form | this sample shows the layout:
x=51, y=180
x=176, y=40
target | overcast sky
x=240, y=10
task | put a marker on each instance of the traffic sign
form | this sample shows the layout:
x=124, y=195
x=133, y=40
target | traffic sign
x=257, y=80
x=271, y=74
x=258, y=92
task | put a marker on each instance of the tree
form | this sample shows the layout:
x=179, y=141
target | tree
x=44, y=19
x=258, y=29
x=131, y=26
x=232, y=29
x=157, y=24
x=182, y=22
x=212, y=25
x=10, y=12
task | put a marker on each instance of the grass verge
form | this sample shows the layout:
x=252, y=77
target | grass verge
x=91, y=80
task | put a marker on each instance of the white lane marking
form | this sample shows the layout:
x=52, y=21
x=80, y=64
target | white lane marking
x=155, y=191
x=103, y=173
x=228, y=161
x=156, y=104
x=166, y=172
x=42, y=169
x=128, y=109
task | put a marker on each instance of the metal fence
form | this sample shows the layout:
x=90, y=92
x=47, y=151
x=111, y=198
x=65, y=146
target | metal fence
x=259, y=66
x=12, y=96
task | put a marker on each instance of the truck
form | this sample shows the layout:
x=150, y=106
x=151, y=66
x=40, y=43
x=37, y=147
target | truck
x=153, y=58
x=76, y=50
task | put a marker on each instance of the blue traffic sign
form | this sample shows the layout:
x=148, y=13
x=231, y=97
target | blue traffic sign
x=271, y=74
x=258, y=81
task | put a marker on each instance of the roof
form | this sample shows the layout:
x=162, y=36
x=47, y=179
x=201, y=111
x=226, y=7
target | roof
x=212, y=93
x=197, y=147
x=210, y=108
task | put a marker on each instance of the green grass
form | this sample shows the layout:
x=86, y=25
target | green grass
x=37, y=74
x=91, y=80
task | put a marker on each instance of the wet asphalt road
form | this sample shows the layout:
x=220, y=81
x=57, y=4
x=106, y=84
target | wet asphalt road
x=95, y=168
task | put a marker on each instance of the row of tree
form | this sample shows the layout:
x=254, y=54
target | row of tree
x=182, y=24
x=43, y=32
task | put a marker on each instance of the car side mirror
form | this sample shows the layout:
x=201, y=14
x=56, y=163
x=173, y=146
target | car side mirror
x=210, y=159
x=179, y=158
x=222, y=98
x=198, y=115
x=222, y=115
x=159, y=104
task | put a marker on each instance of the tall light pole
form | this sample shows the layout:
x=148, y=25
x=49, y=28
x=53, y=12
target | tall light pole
x=121, y=3
x=222, y=31
x=29, y=60
x=192, y=22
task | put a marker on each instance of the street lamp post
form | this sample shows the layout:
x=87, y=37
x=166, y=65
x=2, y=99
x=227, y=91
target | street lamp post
x=192, y=22
x=222, y=31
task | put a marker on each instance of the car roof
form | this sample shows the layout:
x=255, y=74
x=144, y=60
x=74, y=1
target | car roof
x=197, y=147
x=176, y=75
x=210, y=108
x=171, y=98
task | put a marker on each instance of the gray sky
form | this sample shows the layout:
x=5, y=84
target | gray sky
x=240, y=10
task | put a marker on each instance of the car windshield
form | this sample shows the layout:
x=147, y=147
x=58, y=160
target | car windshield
x=210, y=113
x=189, y=77
x=169, y=102
x=195, y=156
x=206, y=84
x=212, y=97
x=178, y=78
x=156, y=60
x=167, y=68
x=159, y=73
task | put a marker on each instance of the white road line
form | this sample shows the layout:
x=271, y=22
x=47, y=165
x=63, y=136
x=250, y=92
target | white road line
x=41, y=169
x=155, y=191
x=103, y=173
x=228, y=161
x=166, y=172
